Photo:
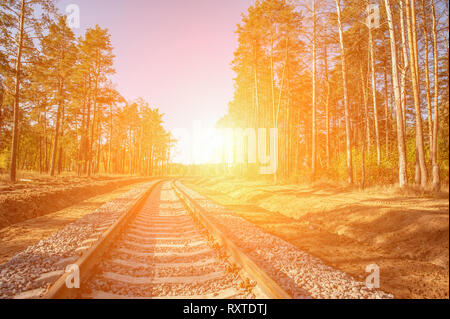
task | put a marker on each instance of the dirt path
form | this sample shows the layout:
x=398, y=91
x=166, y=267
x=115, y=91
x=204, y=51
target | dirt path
x=406, y=236
x=18, y=237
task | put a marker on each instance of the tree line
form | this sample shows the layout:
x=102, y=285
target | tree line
x=357, y=89
x=59, y=110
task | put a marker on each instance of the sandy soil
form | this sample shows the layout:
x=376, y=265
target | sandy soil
x=18, y=237
x=406, y=235
x=40, y=195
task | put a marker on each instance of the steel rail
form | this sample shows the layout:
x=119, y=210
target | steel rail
x=87, y=262
x=255, y=272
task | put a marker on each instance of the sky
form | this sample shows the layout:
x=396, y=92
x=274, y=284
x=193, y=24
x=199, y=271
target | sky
x=175, y=54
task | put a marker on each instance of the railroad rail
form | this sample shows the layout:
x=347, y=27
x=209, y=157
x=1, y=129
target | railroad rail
x=165, y=247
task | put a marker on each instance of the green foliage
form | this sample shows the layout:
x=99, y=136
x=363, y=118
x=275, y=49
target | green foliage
x=4, y=160
x=262, y=37
x=71, y=116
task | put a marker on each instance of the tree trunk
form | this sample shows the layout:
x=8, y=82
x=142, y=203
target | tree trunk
x=15, y=139
x=374, y=97
x=46, y=155
x=82, y=137
x=327, y=107
x=412, y=6
x=40, y=154
x=110, y=139
x=58, y=126
x=363, y=165
x=39, y=138
x=61, y=149
x=434, y=149
x=403, y=177
x=314, y=90
x=2, y=94
x=366, y=107
x=283, y=76
x=386, y=108
x=346, y=106
x=99, y=138
x=255, y=74
x=272, y=82
x=88, y=123
x=416, y=91
x=94, y=122
x=427, y=74
x=55, y=143
x=405, y=65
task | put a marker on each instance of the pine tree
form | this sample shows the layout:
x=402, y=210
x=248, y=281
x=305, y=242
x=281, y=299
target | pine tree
x=434, y=147
x=97, y=63
x=403, y=177
x=59, y=56
x=22, y=22
x=346, y=102
x=421, y=171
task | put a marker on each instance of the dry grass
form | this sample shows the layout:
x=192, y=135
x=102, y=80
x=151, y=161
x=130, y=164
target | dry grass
x=29, y=177
x=18, y=237
x=405, y=232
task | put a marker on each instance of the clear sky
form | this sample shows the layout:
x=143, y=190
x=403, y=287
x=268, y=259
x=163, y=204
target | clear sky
x=175, y=54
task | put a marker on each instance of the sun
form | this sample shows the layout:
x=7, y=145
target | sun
x=201, y=145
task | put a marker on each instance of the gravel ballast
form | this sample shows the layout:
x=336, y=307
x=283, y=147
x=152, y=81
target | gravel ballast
x=167, y=260
x=300, y=274
x=33, y=268
x=20, y=203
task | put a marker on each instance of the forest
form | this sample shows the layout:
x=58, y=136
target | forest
x=357, y=89
x=59, y=110
x=224, y=149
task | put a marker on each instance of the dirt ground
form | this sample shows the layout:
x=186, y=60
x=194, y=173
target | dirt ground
x=406, y=234
x=37, y=195
x=18, y=237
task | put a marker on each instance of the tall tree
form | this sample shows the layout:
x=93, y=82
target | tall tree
x=403, y=177
x=63, y=101
x=327, y=107
x=427, y=72
x=59, y=56
x=314, y=95
x=26, y=21
x=421, y=172
x=434, y=146
x=15, y=139
x=371, y=27
x=405, y=62
x=314, y=138
x=346, y=103
x=97, y=63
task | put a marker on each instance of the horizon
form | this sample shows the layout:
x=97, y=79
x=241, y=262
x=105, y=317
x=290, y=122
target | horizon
x=201, y=79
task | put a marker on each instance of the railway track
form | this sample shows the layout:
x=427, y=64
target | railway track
x=165, y=240
x=165, y=248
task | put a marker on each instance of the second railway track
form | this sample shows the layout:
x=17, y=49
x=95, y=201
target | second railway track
x=162, y=251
